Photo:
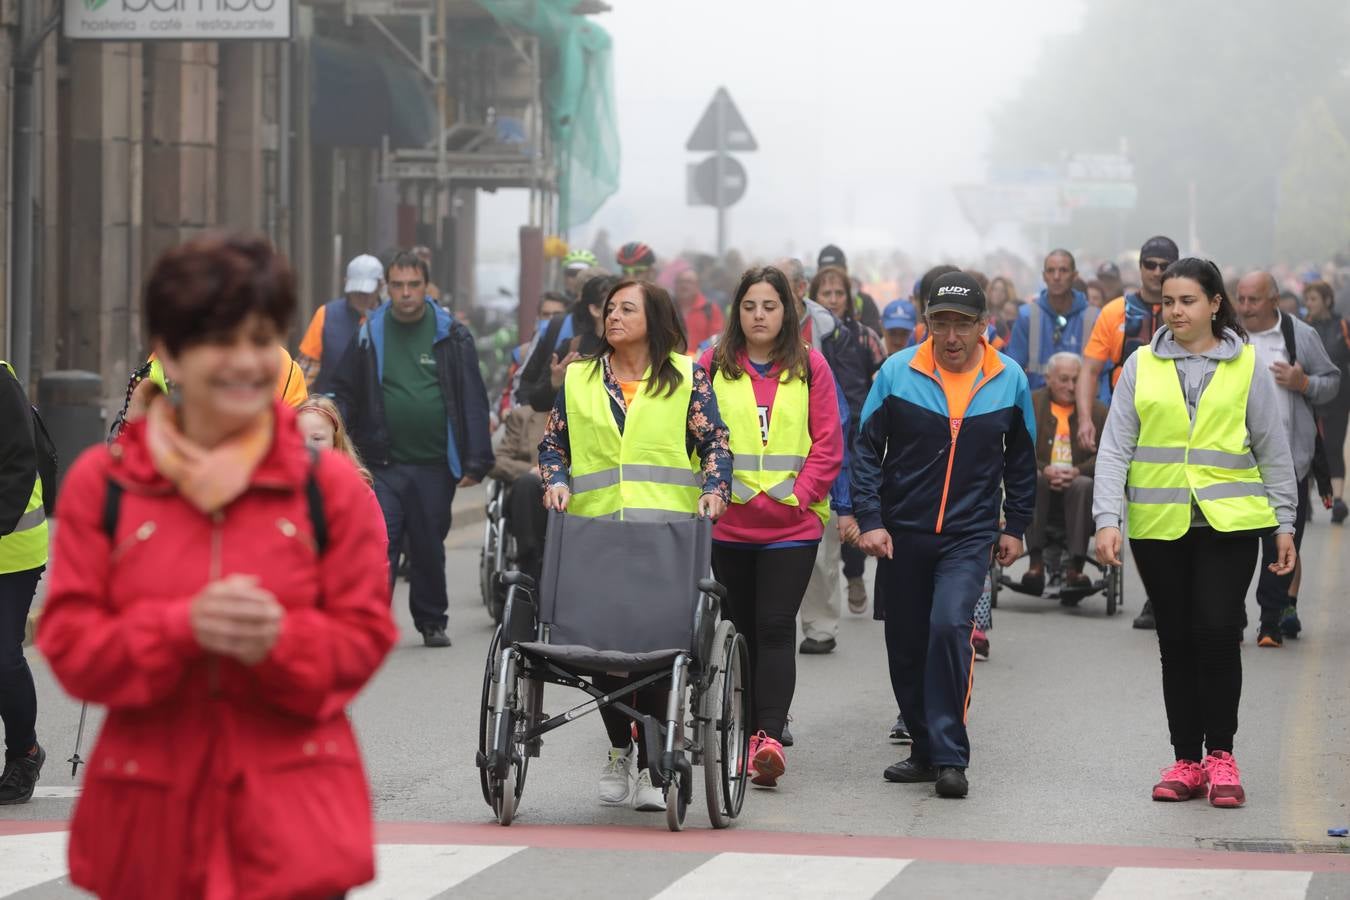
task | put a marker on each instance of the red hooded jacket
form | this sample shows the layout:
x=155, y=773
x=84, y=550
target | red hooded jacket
x=212, y=779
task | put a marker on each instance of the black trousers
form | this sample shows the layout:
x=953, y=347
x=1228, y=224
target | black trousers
x=764, y=593
x=416, y=503
x=1334, y=423
x=651, y=701
x=1198, y=584
x=1272, y=591
x=527, y=520
x=18, y=698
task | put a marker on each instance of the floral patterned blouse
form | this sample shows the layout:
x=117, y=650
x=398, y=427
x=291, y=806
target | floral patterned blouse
x=705, y=433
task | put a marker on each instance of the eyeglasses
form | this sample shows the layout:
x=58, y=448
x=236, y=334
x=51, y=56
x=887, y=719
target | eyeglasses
x=961, y=328
x=1060, y=323
x=1154, y=265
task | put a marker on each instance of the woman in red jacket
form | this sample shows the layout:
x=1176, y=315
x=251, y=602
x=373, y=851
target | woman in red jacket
x=224, y=605
x=779, y=400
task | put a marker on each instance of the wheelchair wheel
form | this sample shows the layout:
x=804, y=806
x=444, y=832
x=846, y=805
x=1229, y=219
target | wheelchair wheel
x=995, y=574
x=1113, y=589
x=676, y=803
x=485, y=716
x=726, y=722
x=503, y=783
x=488, y=576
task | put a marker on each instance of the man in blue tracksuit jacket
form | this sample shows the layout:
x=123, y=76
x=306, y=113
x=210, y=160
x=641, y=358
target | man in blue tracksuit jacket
x=1060, y=320
x=947, y=423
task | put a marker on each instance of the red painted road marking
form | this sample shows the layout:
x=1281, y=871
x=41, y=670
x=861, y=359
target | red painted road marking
x=596, y=837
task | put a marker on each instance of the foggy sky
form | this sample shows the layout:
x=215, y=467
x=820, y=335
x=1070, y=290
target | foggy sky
x=865, y=112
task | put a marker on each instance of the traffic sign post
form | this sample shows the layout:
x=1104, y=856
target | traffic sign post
x=720, y=180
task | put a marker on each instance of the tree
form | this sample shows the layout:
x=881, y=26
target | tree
x=1201, y=91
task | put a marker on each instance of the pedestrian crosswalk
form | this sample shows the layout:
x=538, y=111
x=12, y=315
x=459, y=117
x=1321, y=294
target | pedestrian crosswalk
x=33, y=866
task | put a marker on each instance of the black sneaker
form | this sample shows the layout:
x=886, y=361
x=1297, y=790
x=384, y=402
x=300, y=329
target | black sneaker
x=1289, y=623
x=787, y=737
x=435, y=636
x=21, y=776
x=1269, y=636
x=817, y=645
x=1144, y=621
x=910, y=771
x=1338, y=511
x=900, y=731
x=951, y=783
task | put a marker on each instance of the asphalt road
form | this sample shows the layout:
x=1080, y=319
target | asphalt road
x=1067, y=728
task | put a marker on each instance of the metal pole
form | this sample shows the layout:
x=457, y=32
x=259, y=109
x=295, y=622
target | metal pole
x=719, y=193
x=32, y=33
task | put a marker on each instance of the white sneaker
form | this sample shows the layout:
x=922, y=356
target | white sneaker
x=617, y=779
x=646, y=796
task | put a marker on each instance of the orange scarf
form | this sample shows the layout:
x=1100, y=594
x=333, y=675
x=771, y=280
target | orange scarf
x=209, y=479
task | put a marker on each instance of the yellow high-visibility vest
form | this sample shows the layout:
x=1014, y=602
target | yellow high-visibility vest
x=1209, y=463
x=644, y=474
x=25, y=547
x=770, y=468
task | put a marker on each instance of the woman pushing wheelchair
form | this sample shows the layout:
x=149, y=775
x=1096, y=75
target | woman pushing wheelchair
x=619, y=444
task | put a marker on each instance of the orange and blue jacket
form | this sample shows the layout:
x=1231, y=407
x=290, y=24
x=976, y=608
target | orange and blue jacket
x=916, y=468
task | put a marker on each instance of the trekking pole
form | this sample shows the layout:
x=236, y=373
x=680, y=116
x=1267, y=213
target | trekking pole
x=79, y=735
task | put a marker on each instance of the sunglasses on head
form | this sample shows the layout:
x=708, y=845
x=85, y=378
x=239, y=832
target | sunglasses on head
x=1154, y=265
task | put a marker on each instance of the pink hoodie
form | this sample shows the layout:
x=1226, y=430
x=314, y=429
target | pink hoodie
x=764, y=520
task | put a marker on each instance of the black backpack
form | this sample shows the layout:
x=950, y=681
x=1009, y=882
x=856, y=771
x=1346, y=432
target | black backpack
x=45, y=450
x=112, y=507
x=1321, y=469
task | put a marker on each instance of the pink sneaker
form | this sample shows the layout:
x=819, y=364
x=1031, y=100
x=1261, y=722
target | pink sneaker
x=750, y=754
x=767, y=761
x=1225, y=782
x=1185, y=780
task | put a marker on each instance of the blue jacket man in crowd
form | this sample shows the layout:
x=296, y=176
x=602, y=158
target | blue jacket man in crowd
x=1059, y=321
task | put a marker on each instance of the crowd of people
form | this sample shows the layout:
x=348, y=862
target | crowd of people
x=936, y=433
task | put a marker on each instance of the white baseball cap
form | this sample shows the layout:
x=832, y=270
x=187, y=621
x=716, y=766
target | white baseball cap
x=364, y=275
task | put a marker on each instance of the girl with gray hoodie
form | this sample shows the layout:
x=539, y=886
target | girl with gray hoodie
x=1201, y=496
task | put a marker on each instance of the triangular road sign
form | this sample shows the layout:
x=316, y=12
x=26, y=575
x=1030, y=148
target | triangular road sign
x=735, y=134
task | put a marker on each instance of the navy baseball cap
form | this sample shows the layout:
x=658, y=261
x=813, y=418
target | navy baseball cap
x=899, y=314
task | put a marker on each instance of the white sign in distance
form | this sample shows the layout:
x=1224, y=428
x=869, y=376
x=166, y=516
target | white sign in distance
x=177, y=20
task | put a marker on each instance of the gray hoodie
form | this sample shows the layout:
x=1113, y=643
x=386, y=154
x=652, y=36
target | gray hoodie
x=1269, y=444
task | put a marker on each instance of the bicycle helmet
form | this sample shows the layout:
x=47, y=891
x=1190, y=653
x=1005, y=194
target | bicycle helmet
x=580, y=259
x=635, y=256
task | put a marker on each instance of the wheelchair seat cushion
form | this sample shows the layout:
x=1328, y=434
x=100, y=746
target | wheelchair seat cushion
x=590, y=660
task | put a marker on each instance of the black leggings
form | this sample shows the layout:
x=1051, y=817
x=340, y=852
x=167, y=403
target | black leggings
x=764, y=593
x=1198, y=585
x=1334, y=423
x=650, y=700
x=18, y=699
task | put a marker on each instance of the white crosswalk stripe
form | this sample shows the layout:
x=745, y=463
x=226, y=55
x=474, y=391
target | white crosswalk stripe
x=735, y=875
x=27, y=860
x=1203, y=884
x=416, y=871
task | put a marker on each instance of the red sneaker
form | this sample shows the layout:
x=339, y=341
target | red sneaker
x=767, y=761
x=1225, y=783
x=980, y=640
x=1185, y=780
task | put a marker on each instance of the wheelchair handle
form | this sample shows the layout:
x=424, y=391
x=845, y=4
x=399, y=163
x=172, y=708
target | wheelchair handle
x=711, y=586
x=520, y=578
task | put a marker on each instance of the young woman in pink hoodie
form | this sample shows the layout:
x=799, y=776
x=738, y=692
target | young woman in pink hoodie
x=779, y=400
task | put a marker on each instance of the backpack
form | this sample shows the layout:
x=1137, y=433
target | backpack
x=45, y=450
x=1321, y=469
x=112, y=506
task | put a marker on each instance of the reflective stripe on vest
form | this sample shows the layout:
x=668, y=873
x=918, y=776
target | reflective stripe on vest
x=25, y=547
x=642, y=475
x=768, y=468
x=1209, y=463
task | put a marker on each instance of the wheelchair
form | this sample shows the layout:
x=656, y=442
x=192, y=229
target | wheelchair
x=621, y=598
x=498, y=553
x=1110, y=582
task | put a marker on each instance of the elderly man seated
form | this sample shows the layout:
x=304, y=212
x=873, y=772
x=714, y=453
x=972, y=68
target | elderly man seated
x=1063, y=474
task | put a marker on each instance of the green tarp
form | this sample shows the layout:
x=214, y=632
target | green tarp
x=579, y=95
